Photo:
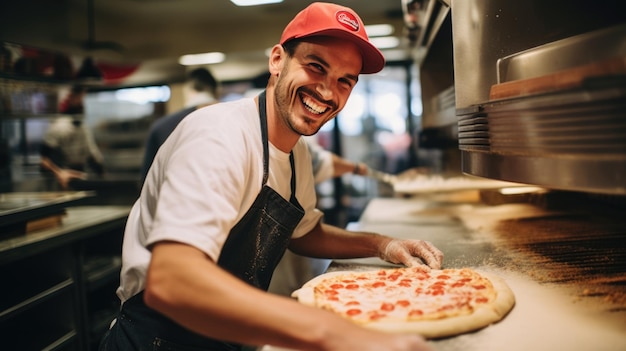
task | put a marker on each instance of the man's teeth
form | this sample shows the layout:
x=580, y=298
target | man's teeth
x=312, y=106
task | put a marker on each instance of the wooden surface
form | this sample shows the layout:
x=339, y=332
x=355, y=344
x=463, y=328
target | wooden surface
x=562, y=80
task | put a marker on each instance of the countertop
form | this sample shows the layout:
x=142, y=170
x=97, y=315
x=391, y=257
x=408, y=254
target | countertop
x=555, y=309
x=78, y=223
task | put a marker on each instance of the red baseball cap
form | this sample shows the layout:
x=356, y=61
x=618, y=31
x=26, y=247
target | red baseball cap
x=328, y=19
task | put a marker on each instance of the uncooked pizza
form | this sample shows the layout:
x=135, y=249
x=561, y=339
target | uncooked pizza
x=433, y=303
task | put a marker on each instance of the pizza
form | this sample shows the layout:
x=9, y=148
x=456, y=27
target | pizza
x=433, y=303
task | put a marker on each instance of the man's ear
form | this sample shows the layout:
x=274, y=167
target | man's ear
x=277, y=59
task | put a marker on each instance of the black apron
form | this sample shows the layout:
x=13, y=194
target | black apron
x=251, y=252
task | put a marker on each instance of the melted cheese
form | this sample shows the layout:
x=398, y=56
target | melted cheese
x=405, y=294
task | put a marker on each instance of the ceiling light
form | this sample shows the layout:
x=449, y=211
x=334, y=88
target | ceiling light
x=201, y=59
x=378, y=30
x=385, y=42
x=254, y=2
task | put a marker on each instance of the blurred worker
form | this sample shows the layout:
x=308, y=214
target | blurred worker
x=200, y=89
x=69, y=150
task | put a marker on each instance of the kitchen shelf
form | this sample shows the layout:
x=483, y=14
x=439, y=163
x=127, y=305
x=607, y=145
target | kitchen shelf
x=63, y=281
x=66, y=342
x=43, y=325
x=102, y=272
x=35, y=78
x=35, y=300
x=22, y=116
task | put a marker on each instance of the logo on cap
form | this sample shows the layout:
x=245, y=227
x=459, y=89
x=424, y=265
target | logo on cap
x=347, y=20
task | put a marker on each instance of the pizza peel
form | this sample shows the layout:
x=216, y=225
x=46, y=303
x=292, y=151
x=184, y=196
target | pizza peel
x=381, y=176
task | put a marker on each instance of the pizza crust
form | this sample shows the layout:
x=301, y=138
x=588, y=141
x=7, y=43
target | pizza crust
x=479, y=318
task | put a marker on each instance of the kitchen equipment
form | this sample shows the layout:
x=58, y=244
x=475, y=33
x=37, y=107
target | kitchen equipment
x=19, y=208
x=420, y=184
x=381, y=176
x=541, y=97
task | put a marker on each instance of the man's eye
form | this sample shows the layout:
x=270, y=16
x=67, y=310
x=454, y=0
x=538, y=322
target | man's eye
x=346, y=82
x=317, y=67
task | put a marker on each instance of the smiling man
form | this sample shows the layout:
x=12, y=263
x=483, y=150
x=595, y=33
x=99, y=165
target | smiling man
x=204, y=237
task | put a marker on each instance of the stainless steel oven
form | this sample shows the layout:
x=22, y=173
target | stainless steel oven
x=539, y=91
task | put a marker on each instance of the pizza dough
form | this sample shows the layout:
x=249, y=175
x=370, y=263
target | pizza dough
x=432, y=303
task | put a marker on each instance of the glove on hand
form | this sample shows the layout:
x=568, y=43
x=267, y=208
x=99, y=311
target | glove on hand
x=412, y=253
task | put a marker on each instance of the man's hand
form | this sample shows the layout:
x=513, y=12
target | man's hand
x=412, y=253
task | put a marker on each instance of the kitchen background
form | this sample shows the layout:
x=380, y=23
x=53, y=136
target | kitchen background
x=136, y=46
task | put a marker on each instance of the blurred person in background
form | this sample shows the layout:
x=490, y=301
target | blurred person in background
x=200, y=89
x=68, y=149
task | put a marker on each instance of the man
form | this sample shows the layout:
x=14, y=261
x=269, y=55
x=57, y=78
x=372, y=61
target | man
x=203, y=238
x=200, y=89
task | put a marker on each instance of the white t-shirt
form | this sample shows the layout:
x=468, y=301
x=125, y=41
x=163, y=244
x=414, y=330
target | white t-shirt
x=203, y=180
x=76, y=142
x=322, y=161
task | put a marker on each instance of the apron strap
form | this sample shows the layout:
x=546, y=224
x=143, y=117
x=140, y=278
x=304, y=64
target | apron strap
x=293, y=199
x=263, y=117
x=266, y=152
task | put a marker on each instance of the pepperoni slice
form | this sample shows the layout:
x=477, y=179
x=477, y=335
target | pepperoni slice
x=403, y=303
x=387, y=306
x=379, y=284
x=353, y=312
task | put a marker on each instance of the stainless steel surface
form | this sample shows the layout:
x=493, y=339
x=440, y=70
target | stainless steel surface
x=571, y=138
x=21, y=206
x=487, y=30
x=79, y=222
x=566, y=53
x=597, y=175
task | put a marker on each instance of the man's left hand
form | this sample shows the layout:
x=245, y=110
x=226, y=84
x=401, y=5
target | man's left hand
x=411, y=253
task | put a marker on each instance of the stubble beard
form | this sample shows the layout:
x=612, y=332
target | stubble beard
x=285, y=114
